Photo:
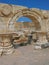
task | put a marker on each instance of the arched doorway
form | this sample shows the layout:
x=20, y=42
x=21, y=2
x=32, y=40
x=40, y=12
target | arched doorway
x=27, y=13
x=34, y=16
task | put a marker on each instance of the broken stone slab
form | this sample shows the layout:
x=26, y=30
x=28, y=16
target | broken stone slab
x=42, y=46
x=46, y=45
x=37, y=46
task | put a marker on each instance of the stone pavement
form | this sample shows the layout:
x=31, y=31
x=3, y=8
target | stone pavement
x=26, y=55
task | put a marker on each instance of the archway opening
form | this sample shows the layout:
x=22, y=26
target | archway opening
x=24, y=22
x=27, y=22
x=26, y=19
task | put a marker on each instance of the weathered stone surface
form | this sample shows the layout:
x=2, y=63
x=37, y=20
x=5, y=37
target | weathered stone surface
x=38, y=16
x=9, y=14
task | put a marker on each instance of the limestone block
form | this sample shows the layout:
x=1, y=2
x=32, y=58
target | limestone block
x=45, y=14
x=37, y=47
x=42, y=40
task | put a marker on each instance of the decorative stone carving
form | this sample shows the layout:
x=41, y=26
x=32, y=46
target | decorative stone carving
x=6, y=10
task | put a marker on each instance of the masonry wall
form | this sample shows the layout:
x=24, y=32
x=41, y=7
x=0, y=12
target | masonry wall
x=7, y=12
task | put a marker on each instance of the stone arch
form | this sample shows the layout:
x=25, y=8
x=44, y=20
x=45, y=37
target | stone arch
x=30, y=14
x=37, y=11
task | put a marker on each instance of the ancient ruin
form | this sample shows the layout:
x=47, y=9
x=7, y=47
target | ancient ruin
x=10, y=28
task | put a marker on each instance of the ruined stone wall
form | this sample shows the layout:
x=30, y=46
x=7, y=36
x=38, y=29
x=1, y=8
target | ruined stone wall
x=9, y=14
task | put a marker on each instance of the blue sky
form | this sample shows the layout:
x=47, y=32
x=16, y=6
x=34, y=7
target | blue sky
x=42, y=4
x=24, y=19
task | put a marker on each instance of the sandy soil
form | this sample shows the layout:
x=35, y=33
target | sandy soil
x=26, y=55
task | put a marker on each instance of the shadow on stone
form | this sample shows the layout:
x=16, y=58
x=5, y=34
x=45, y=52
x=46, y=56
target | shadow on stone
x=19, y=45
x=46, y=45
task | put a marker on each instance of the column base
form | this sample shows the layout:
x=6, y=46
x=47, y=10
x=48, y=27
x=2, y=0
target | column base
x=6, y=50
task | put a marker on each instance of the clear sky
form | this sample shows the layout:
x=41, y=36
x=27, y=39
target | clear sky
x=42, y=4
x=24, y=19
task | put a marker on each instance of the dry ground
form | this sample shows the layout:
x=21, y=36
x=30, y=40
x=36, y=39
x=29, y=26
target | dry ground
x=26, y=55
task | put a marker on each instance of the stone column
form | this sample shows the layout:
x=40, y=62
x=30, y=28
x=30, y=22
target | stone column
x=42, y=38
x=5, y=44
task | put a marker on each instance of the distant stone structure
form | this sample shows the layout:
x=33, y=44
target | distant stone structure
x=9, y=14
